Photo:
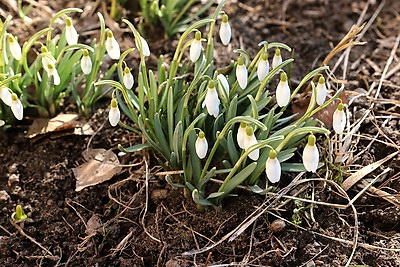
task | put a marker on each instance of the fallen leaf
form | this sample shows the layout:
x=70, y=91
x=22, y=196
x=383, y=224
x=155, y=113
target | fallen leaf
x=94, y=225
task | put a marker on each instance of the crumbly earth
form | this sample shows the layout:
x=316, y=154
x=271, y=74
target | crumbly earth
x=123, y=223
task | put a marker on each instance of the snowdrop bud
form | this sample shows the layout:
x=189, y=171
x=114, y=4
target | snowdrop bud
x=112, y=45
x=16, y=107
x=339, y=119
x=70, y=33
x=128, y=78
x=53, y=72
x=201, y=145
x=241, y=135
x=311, y=154
x=224, y=82
x=225, y=30
x=145, y=46
x=114, y=115
x=263, y=67
x=273, y=167
x=241, y=73
x=250, y=140
x=86, y=63
x=321, y=91
x=277, y=59
x=15, y=49
x=5, y=95
x=195, y=47
x=283, y=91
x=212, y=101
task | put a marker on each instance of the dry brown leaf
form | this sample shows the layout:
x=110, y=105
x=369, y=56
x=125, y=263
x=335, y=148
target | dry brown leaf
x=94, y=225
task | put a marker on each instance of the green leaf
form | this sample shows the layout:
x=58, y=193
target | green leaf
x=238, y=179
x=171, y=183
x=160, y=135
x=134, y=148
x=199, y=199
x=296, y=167
x=215, y=195
x=232, y=151
x=204, y=181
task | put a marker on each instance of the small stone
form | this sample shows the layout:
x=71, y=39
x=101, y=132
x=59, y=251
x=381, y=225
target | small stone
x=14, y=178
x=13, y=168
x=159, y=194
x=4, y=196
x=310, y=264
x=277, y=226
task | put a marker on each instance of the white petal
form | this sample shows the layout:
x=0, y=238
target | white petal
x=46, y=61
x=262, y=69
x=224, y=82
x=2, y=123
x=241, y=136
x=128, y=80
x=321, y=93
x=71, y=35
x=53, y=72
x=282, y=93
x=112, y=48
x=310, y=158
x=145, y=47
x=201, y=146
x=195, y=50
x=225, y=33
x=5, y=95
x=273, y=170
x=212, y=102
x=15, y=50
x=241, y=75
x=17, y=109
x=276, y=61
x=113, y=116
x=339, y=121
x=86, y=65
x=248, y=142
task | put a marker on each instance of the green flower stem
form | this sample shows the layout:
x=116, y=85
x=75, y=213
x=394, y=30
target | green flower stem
x=3, y=37
x=120, y=62
x=9, y=79
x=72, y=47
x=56, y=16
x=180, y=14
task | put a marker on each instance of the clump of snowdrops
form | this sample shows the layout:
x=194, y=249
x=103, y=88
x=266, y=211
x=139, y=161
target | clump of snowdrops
x=219, y=126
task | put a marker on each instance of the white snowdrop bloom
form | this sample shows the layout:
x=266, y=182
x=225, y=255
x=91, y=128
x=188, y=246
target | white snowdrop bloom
x=145, y=46
x=52, y=71
x=70, y=33
x=2, y=123
x=114, y=115
x=311, y=154
x=321, y=91
x=224, y=82
x=282, y=91
x=263, y=67
x=277, y=59
x=47, y=59
x=241, y=73
x=225, y=31
x=241, y=135
x=273, y=167
x=249, y=140
x=211, y=102
x=201, y=145
x=5, y=95
x=339, y=119
x=128, y=78
x=14, y=46
x=16, y=107
x=195, y=47
x=86, y=62
x=112, y=45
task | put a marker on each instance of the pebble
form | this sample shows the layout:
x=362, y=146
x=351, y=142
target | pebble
x=14, y=178
x=13, y=168
x=4, y=196
x=277, y=226
x=159, y=194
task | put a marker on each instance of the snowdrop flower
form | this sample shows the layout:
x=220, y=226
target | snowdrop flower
x=241, y=73
x=47, y=59
x=283, y=91
x=114, y=115
x=5, y=95
x=195, y=47
x=16, y=107
x=250, y=140
x=311, y=154
x=15, y=49
x=273, y=167
x=225, y=31
x=201, y=145
x=112, y=45
x=222, y=79
x=277, y=59
x=241, y=135
x=145, y=46
x=70, y=33
x=339, y=119
x=211, y=101
x=128, y=78
x=263, y=67
x=51, y=70
x=86, y=63
x=321, y=91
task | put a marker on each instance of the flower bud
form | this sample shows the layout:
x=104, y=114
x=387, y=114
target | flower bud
x=114, y=115
x=241, y=135
x=195, y=47
x=222, y=79
x=201, y=145
x=241, y=73
x=70, y=33
x=321, y=91
x=5, y=95
x=277, y=59
x=145, y=46
x=86, y=62
x=16, y=107
x=225, y=31
x=339, y=119
x=112, y=45
x=311, y=154
x=273, y=167
x=249, y=140
x=212, y=101
x=128, y=78
x=14, y=46
x=283, y=91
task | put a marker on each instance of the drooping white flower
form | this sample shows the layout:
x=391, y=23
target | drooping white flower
x=2, y=123
x=311, y=154
x=222, y=79
x=86, y=62
x=52, y=71
x=112, y=45
x=241, y=135
x=273, y=167
x=321, y=91
x=201, y=145
x=282, y=91
x=128, y=78
x=70, y=33
x=339, y=119
x=145, y=46
x=241, y=73
x=14, y=46
x=114, y=115
x=277, y=59
x=211, y=102
x=5, y=95
x=47, y=59
x=195, y=47
x=16, y=107
x=263, y=67
x=225, y=31
x=249, y=140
